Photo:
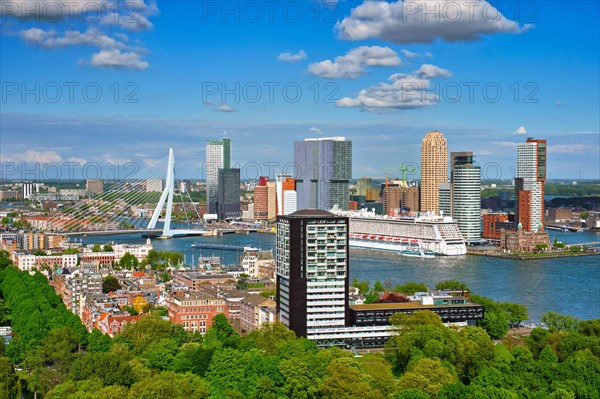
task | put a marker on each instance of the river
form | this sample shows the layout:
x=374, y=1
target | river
x=565, y=285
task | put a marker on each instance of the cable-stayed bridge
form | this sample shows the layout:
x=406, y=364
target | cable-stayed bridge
x=139, y=203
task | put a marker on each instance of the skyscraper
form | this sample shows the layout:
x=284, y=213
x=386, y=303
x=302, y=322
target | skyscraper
x=286, y=195
x=323, y=169
x=218, y=156
x=434, y=169
x=228, y=194
x=529, y=184
x=312, y=271
x=466, y=194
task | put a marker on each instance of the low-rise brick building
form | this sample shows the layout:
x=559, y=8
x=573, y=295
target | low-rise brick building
x=195, y=310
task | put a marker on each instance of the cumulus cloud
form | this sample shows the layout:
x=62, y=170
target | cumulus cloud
x=116, y=59
x=32, y=156
x=405, y=91
x=424, y=21
x=572, y=149
x=292, y=57
x=50, y=39
x=520, y=130
x=316, y=130
x=224, y=108
x=132, y=15
x=411, y=54
x=352, y=65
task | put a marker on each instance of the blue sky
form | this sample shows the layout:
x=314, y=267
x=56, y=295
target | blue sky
x=127, y=82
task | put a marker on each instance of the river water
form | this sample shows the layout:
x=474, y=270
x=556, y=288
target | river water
x=565, y=285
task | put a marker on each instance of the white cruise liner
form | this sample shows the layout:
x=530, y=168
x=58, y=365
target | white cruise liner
x=423, y=235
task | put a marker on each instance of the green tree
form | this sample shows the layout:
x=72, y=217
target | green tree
x=344, y=380
x=110, y=283
x=107, y=248
x=495, y=323
x=428, y=375
x=221, y=333
x=51, y=361
x=71, y=251
x=412, y=393
x=96, y=248
x=558, y=322
x=9, y=382
x=378, y=287
x=363, y=286
x=453, y=285
x=98, y=342
x=129, y=262
x=170, y=385
x=409, y=288
x=40, y=252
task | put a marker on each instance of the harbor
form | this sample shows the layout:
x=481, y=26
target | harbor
x=565, y=285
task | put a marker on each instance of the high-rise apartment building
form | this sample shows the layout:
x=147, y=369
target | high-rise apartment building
x=323, y=169
x=218, y=156
x=529, y=184
x=261, y=202
x=391, y=199
x=154, y=185
x=228, y=194
x=434, y=169
x=94, y=187
x=28, y=190
x=312, y=271
x=466, y=194
x=286, y=195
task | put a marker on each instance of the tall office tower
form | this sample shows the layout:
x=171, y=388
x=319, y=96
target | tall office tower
x=392, y=199
x=529, y=184
x=94, y=187
x=286, y=194
x=409, y=198
x=272, y=201
x=154, y=185
x=445, y=198
x=323, y=169
x=28, y=189
x=466, y=194
x=261, y=200
x=312, y=271
x=228, y=194
x=434, y=169
x=218, y=156
x=363, y=185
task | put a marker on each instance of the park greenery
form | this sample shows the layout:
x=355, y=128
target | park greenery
x=52, y=354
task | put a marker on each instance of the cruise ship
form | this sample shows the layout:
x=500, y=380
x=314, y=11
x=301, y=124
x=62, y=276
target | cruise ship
x=425, y=235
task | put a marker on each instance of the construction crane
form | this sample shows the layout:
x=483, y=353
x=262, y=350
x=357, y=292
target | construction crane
x=403, y=170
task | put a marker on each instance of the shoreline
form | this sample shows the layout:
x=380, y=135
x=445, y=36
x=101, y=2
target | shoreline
x=531, y=256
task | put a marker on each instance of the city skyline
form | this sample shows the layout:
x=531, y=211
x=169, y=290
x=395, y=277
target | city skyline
x=151, y=101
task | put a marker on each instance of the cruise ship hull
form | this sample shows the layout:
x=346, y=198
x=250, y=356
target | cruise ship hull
x=410, y=247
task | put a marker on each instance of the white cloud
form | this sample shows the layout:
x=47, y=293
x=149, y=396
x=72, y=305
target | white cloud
x=411, y=54
x=510, y=144
x=115, y=161
x=572, y=149
x=424, y=21
x=224, y=108
x=132, y=15
x=32, y=156
x=292, y=57
x=77, y=160
x=405, y=91
x=116, y=59
x=520, y=130
x=49, y=39
x=352, y=65
x=316, y=130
